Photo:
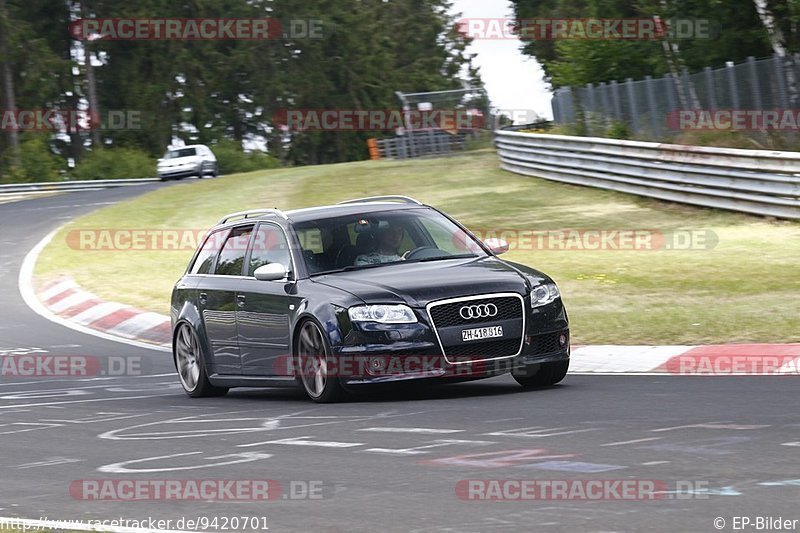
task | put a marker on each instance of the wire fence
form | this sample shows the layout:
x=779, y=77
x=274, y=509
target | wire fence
x=650, y=107
x=457, y=116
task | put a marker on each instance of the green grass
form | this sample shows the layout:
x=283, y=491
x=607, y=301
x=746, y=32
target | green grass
x=746, y=289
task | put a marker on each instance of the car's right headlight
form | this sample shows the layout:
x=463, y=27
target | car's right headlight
x=544, y=294
x=383, y=314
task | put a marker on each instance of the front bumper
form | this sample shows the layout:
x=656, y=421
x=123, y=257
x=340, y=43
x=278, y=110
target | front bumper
x=177, y=172
x=375, y=364
x=379, y=353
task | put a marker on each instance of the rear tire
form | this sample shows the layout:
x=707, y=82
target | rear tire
x=548, y=374
x=190, y=364
x=313, y=358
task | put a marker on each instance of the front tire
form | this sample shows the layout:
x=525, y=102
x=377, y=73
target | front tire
x=314, y=361
x=190, y=364
x=548, y=374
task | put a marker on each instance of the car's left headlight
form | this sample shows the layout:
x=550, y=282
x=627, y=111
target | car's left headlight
x=544, y=294
x=383, y=314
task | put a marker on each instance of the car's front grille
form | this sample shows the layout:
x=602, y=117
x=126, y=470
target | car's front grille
x=548, y=343
x=447, y=315
x=483, y=350
x=448, y=322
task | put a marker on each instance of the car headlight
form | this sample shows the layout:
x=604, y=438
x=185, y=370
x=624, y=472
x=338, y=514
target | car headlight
x=383, y=314
x=544, y=294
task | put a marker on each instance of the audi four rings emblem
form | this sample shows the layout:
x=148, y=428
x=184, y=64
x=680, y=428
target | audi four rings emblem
x=478, y=311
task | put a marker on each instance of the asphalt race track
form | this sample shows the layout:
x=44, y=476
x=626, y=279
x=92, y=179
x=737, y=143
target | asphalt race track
x=390, y=460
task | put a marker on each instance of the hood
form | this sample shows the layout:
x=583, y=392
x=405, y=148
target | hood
x=417, y=284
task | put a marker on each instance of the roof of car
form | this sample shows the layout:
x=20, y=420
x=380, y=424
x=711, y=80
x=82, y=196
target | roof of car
x=326, y=211
x=359, y=206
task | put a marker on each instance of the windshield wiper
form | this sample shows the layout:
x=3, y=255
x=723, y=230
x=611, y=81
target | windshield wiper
x=441, y=257
x=352, y=267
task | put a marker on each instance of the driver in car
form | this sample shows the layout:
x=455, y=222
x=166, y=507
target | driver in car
x=388, y=249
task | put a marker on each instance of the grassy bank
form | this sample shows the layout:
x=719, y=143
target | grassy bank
x=745, y=287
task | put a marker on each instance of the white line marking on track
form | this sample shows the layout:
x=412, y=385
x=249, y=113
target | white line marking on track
x=538, y=432
x=30, y=426
x=621, y=443
x=49, y=462
x=714, y=425
x=266, y=424
x=50, y=404
x=418, y=450
x=236, y=458
x=302, y=441
x=84, y=380
x=411, y=430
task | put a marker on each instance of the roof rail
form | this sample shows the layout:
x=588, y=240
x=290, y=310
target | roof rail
x=395, y=198
x=252, y=213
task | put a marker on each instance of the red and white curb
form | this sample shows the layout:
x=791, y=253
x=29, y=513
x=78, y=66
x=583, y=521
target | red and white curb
x=716, y=360
x=64, y=298
x=63, y=302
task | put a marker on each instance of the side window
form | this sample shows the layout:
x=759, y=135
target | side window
x=231, y=258
x=269, y=246
x=205, y=258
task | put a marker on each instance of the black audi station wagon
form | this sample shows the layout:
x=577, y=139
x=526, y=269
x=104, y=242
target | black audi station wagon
x=368, y=291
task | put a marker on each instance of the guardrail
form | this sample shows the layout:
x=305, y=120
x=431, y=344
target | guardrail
x=760, y=182
x=71, y=185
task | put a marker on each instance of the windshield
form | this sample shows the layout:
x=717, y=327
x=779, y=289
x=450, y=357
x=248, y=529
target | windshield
x=384, y=238
x=181, y=152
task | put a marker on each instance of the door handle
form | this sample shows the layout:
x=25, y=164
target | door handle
x=240, y=300
x=203, y=298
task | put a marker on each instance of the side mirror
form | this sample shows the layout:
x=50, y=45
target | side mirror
x=270, y=272
x=497, y=246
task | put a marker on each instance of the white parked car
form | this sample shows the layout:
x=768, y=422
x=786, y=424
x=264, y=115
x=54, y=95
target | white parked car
x=195, y=160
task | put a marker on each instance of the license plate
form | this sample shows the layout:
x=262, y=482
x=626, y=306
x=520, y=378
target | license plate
x=481, y=333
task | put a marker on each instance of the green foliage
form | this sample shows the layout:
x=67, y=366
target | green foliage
x=213, y=91
x=231, y=159
x=618, y=130
x=115, y=163
x=714, y=31
x=37, y=162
